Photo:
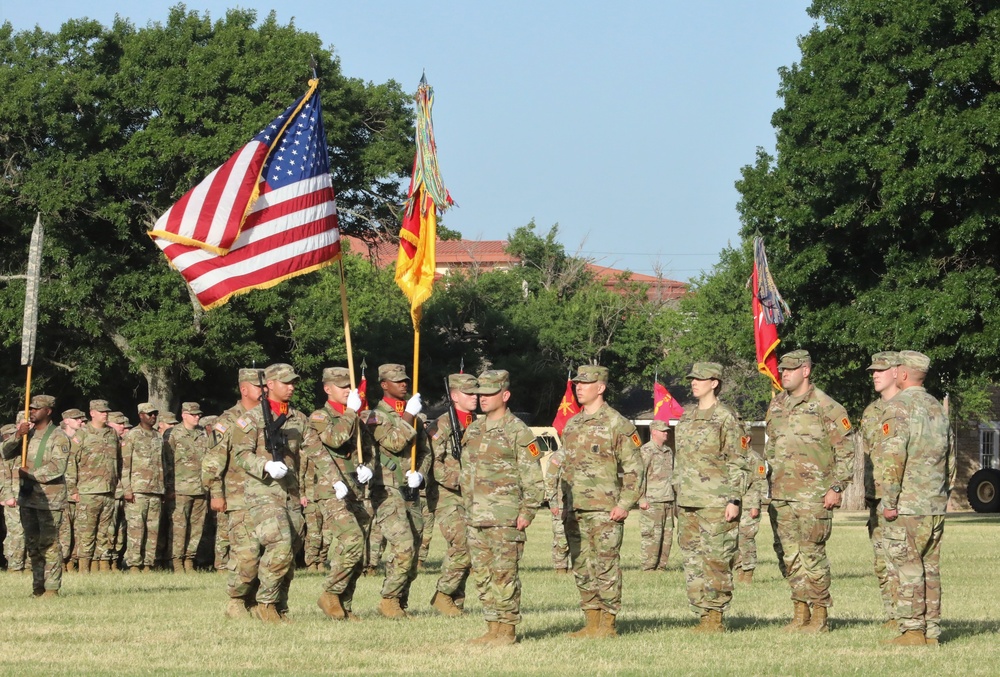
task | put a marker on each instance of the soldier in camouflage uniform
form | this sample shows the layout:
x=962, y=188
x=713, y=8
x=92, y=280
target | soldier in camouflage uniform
x=502, y=489
x=449, y=593
x=560, y=546
x=42, y=493
x=710, y=477
x=600, y=478
x=219, y=517
x=316, y=550
x=72, y=421
x=746, y=552
x=883, y=369
x=340, y=479
x=93, y=478
x=144, y=484
x=810, y=446
x=13, y=544
x=118, y=422
x=656, y=505
x=271, y=489
x=185, y=449
x=916, y=472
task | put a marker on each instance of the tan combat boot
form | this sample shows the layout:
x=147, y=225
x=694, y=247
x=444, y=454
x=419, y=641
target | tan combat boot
x=266, y=612
x=562, y=571
x=178, y=565
x=445, y=605
x=505, y=635
x=331, y=606
x=800, y=617
x=818, y=621
x=891, y=624
x=491, y=630
x=744, y=576
x=189, y=565
x=237, y=608
x=910, y=638
x=55, y=593
x=84, y=565
x=104, y=565
x=606, y=625
x=390, y=608
x=592, y=618
x=711, y=621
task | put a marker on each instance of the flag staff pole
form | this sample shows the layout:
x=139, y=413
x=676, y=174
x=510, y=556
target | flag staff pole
x=348, y=346
x=29, y=329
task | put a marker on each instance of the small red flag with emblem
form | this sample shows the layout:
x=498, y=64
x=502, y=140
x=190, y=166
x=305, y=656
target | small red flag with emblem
x=568, y=408
x=363, y=392
x=665, y=407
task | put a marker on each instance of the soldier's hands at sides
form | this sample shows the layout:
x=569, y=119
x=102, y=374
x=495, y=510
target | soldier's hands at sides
x=364, y=474
x=831, y=499
x=890, y=515
x=276, y=469
x=339, y=489
x=643, y=505
x=554, y=511
x=75, y=497
x=218, y=504
x=129, y=497
x=354, y=400
x=732, y=512
x=618, y=515
x=413, y=478
x=754, y=513
x=522, y=523
x=413, y=405
x=10, y=502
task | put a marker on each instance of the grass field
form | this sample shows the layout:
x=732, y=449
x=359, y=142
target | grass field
x=162, y=623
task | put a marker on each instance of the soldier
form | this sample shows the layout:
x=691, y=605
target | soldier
x=165, y=422
x=13, y=544
x=553, y=497
x=118, y=422
x=710, y=477
x=598, y=444
x=340, y=478
x=883, y=369
x=914, y=465
x=810, y=447
x=502, y=489
x=93, y=479
x=271, y=489
x=185, y=449
x=316, y=547
x=656, y=505
x=746, y=553
x=42, y=494
x=143, y=484
x=449, y=593
x=72, y=421
x=396, y=514
x=221, y=522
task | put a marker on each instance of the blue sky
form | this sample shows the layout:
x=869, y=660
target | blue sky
x=627, y=125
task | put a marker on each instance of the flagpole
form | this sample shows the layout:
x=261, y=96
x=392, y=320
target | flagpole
x=416, y=378
x=347, y=343
x=29, y=326
x=27, y=401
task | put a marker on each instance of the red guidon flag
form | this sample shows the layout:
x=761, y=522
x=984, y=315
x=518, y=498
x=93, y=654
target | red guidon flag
x=769, y=311
x=568, y=408
x=665, y=407
x=267, y=214
x=363, y=392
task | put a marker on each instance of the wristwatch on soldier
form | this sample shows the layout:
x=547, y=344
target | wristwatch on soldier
x=836, y=488
x=735, y=501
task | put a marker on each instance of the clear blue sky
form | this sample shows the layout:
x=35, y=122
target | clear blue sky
x=625, y=123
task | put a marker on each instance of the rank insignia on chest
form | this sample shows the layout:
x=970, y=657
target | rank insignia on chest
x=846, y=423
x=534, y=450
x=635, y=440
x=745, y=442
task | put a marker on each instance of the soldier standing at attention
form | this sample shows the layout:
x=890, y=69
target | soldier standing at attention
x=72, y=421
x=449, y=594
x=144, y=484
x=883, y=369
x=42, y=494
x=118, y=422
x=93, y=479
x=502, y=489
x=746, y=552
x=916, y=470
x=710, y=476
x=810, y=447
x=13, y=543
x=186, y=448
x=598, y=444
x=656, y=505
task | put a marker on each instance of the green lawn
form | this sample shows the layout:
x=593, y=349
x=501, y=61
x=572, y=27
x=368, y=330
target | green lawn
x=131, y=624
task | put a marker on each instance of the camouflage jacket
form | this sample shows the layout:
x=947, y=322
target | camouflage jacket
x=596, y=449
x=757, y=480
x=143, y=470
x=810, y=446
x=391, y=439
x=501, y=479
x=185, y=450
x=44, y=486
x=250, y=454
x=333, y=457
x=659, y=465
x=8, y=477
x=94, y=461
x=447, y=470
x=711, y=468
x=219, y=473
x=913, y=460
x=870, y=431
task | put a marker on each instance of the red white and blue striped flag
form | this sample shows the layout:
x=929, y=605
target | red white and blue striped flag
x=267, y=214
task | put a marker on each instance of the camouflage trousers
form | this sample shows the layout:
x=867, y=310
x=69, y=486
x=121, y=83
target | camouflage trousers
x=277, y=534
x=143, y=518
x=221, y=540
x=41, y=538
x=779, y=552
x=316, y=547
x=13, y=545
x=709, y=545
x=244, y=555
x=428, y=509
x=400, y=523
x=374, y=541
x=343, y=530
x=560, y=546
x=595, y=543
x=67, y=530
x=94, y=523
x=913, y=551
x=656, y=529
x=495, y=553
x=451, y=520
x=886, y=578
x=746, y=552
x=804, y=529
x=188, y=524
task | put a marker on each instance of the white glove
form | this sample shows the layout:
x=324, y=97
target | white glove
x=413, y=479
x=414, y=406
x=364, y=474
x=340, y=489
x=354, y=400
x=276, y=469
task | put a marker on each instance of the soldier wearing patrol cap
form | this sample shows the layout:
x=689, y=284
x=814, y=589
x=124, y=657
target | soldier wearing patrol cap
x=118, y=422
x=598, y=443
x=810, y=447
x=185, y=450
x=502, y=489
x=144, y=485
x=72, y=421
x=915, y=471
x=750, y=515
x=656, y=505
x=42, y=494
x=13, y=544
x=883, y=370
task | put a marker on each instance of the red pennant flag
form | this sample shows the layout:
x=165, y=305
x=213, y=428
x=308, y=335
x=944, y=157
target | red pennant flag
x=568, y=408
x=765, y=336
x=665, y=407
x=363, y=392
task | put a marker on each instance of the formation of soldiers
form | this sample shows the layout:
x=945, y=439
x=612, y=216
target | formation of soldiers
x=349, y=485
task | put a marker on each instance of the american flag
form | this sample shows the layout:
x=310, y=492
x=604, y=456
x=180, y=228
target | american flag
x=267, y=214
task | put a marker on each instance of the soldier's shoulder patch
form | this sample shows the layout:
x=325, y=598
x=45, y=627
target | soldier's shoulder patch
x=244, y=423
x=75, y=439
x=534, y=449
x=318, y=416
x=761, y=470
x=635, y=439
x=846, y=423
x=744, y=442
x=888, y=429
x=220, y=427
